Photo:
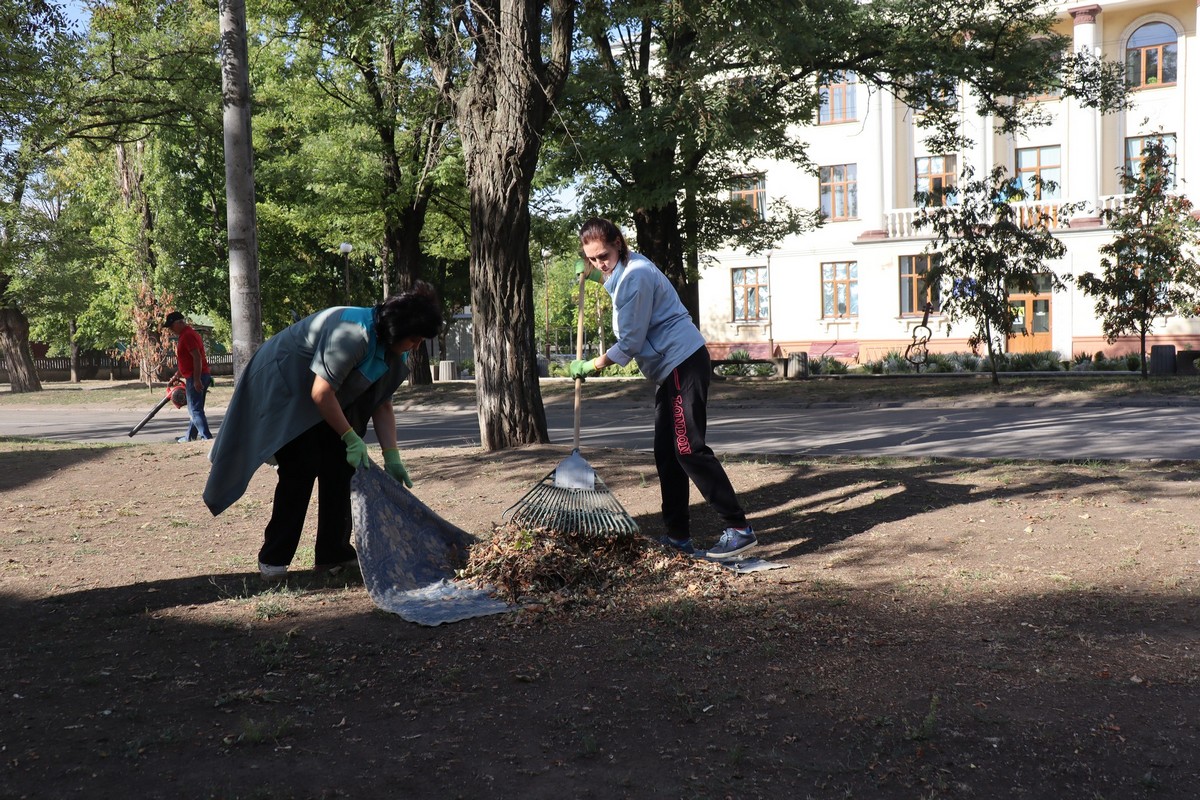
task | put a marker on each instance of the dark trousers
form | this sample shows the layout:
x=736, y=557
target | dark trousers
x=680, y=454
x=317, y=455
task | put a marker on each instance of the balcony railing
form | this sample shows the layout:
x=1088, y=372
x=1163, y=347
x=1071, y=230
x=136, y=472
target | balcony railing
x=1029, y=213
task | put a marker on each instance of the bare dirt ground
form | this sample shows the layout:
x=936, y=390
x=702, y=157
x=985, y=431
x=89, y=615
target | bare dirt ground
x=942, y=630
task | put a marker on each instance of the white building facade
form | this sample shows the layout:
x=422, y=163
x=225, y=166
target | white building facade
x=852, y=290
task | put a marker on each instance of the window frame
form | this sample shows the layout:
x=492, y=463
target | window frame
x=843, y=85
x=755, y=196
x=948, y=175
x=1055, y=92
x=760, y=290
x=849, y=280
x=1141, y=52
x=919, y=290
x=1035, y=191
x=1134, y=162
x=845, y=188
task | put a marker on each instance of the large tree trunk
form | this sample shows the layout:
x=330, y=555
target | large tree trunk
x=14, y=343
x=659, y=239
x=502, y=108
x=14, y=326
x=73, y=329
x=245, y=301
x=509, y=398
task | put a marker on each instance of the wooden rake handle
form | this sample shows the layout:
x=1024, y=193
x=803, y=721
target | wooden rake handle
x=578, y=356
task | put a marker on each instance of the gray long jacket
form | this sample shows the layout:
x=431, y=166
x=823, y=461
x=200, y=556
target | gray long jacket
x=273, y=401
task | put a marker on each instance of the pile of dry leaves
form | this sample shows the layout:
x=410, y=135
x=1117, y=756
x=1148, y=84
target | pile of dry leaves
x=548, y=566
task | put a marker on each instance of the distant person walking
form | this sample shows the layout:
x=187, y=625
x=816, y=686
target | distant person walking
x=304, y=401
x=192, y=370
x=653, y=326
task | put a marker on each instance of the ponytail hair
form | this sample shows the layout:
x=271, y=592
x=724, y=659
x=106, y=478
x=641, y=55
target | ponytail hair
x=598, y=229
x=415, y=312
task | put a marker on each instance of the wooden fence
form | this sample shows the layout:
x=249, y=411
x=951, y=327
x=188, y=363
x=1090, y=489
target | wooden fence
x=58, y=368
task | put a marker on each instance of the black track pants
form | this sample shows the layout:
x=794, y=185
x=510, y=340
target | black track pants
x=680, y=454
x=317, y=455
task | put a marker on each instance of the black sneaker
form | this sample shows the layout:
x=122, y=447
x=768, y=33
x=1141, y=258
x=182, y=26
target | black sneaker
x=684, y=546
x=734, y=542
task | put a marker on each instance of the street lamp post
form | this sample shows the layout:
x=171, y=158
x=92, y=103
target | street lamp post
x=344, y=248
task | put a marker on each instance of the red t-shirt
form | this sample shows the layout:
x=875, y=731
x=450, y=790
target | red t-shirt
x=189, y=340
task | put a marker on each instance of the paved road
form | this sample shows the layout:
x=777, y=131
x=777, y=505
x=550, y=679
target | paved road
x=1054, y=432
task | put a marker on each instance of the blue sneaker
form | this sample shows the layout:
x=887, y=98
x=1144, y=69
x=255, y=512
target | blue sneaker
x=734, y=542
x=684, y=546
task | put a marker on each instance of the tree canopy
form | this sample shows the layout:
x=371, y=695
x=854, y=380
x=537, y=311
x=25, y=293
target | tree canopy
x=674, y=103
x=987, y=244
x=1149, y=268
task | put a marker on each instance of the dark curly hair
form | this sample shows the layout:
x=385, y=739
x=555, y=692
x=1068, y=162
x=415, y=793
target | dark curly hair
x=415, y=312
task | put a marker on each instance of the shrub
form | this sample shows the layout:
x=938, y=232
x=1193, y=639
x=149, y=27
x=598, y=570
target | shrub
x=827, y=366
x=738, y=370
x=630, y=370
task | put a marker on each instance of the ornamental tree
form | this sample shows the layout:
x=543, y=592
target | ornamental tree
x=1149, y=269
x=987, y=246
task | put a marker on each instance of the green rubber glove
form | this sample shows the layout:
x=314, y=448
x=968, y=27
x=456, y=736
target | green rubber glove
x=581, y=369
x=593, y=274
x=356, y=449
x=395, y=467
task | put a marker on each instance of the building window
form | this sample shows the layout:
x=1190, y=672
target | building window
x=839, y=192
x=751, y=195
x=838, y=98
x=1044, y=163
x=750, y=294
x=1136, y=145
x=1152, y=56
x=935, y=175
x=1054, y=69
x=839, y=289
x=915, y=289
x=933, y=91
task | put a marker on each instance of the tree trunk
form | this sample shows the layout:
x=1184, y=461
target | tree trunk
x=509, y=398
x=404, y=203
x=1142, y=339
x=406, y=246
x=245, y=302
x=14, y=344
x=14, y=326
x=72, y=329
x=992, y=353
x=502, y=108
x=659, y=239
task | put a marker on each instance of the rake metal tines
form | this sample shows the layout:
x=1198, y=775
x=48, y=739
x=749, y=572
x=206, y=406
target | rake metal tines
x=550, y=507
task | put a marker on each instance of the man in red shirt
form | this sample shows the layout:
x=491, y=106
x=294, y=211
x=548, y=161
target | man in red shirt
x=194, y=372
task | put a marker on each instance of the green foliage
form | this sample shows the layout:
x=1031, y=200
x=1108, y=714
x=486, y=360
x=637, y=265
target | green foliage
x=1042, y=361
x=989, y=246
x=827, y=365
x=1089, y=362
x=661, y=130
x=895, y=363
x=738, y=369
x=630, y=370
x=1149, y=267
